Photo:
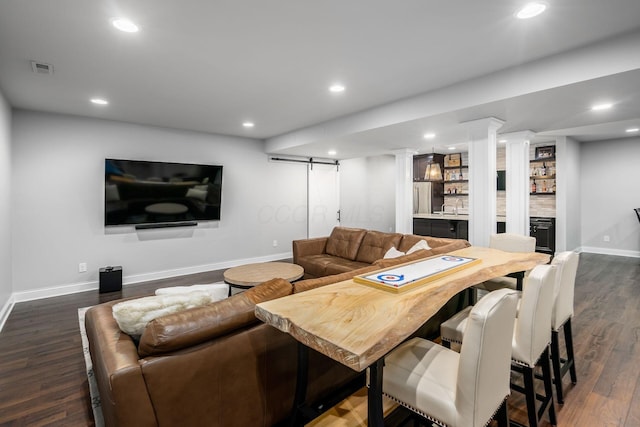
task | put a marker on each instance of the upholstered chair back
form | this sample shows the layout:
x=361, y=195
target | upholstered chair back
x=533, y=325
x=484, y=365
x=567, y=264
x=509, y=242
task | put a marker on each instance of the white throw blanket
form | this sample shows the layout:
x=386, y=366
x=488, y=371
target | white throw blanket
x=133, y=315
x=218, y=291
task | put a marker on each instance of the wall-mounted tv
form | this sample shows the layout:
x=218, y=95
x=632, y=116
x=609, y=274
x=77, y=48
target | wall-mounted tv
x=145, y=193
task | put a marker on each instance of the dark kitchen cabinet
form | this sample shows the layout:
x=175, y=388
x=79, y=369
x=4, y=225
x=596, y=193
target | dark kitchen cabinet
x=544, y=230
x=444, y=228
x=420, y=163
x=450, y=228
x=422, y=227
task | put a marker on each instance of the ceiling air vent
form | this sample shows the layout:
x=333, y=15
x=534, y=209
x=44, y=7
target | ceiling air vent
x=41, y=67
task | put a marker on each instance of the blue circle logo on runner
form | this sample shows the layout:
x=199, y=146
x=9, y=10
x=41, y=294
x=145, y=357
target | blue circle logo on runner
x=390, y=277
x=452, y=258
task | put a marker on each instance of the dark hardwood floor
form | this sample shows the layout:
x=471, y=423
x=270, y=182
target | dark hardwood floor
x=42, y=379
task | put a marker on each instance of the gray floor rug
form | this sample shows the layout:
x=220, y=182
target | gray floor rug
x=93, y=385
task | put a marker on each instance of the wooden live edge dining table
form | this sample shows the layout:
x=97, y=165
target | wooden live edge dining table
x=357, y=324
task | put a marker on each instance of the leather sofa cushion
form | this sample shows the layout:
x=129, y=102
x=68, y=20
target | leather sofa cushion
x=200, y=324
x=375, y=244
x=316, y=265
x=326, y=265
x=344, y=265
x=345, y=242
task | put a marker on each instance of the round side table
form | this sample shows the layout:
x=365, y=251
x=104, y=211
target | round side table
x=250, y=275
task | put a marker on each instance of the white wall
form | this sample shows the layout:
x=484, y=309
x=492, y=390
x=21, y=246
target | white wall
x=568, y=195
x=610, y=190
x=58, y=200
x=5, y=208
x=367, y=193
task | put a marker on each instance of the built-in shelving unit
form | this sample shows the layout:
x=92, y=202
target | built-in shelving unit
x=456, y=176
x=542, y=176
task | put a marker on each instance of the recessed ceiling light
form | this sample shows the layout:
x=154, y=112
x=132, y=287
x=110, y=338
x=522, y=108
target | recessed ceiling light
x=530, y=10
x=248, y=124
x=99, y=101
x=452, y=148
x=429, y=135
x=125, y=25
x=332, y=152
x=630, y=130
x=502, y=141
x=336, y=88
x=599, y=107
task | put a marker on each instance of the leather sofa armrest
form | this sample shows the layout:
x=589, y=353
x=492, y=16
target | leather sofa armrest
x=317, y=282
x=306, y=247
x=123, y=392
x=452, y=246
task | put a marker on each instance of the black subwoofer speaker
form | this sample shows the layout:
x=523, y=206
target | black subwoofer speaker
x=110, y=279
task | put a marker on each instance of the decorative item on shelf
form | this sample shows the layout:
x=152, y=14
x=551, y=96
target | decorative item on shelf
x=433, y=172
x=533, y=187
x=452, y=160
x=547, y=152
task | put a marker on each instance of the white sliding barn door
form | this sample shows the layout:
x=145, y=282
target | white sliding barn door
x=323, y=199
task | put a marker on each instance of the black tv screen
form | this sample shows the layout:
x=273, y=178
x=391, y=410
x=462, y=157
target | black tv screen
x=144, y=192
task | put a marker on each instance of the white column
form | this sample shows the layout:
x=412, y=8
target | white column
x=404, y=193
x=518, y=185
x=482, y=179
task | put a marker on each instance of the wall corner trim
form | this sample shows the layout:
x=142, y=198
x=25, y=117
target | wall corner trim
x=6, y=311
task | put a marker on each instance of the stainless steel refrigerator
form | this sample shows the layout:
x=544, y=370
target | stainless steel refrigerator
x=421, y=197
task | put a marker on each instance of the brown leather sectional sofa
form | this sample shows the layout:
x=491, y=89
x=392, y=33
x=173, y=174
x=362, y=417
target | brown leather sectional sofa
x=349, y=249
x=217, y=365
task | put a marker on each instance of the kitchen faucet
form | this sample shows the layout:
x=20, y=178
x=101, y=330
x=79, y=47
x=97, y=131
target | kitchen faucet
x=455, y=208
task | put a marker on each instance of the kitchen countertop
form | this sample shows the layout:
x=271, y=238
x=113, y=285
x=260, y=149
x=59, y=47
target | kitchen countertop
x=451, y=216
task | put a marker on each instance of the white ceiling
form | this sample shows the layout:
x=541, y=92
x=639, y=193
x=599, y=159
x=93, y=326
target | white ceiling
x=210, y=65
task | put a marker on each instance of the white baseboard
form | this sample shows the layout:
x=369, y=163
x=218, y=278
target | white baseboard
x=609, y=251
x=73, y=288
x=6, y=311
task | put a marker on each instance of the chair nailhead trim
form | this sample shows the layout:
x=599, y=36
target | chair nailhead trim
x=435, y=421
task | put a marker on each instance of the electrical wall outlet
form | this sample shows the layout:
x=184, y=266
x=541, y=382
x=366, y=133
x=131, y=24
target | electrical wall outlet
x=275, y=243
x=606, y=238
x=82, y=267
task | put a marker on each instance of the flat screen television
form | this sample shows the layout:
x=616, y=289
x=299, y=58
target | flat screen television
x=145, y=193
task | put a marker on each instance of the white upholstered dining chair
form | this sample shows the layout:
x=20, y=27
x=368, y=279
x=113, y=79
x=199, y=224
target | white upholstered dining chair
x=463, y=389
x=567, y=264
x=531, y=337
x=507, y=242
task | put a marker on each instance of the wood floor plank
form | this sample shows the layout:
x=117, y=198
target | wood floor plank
x=600, y=411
